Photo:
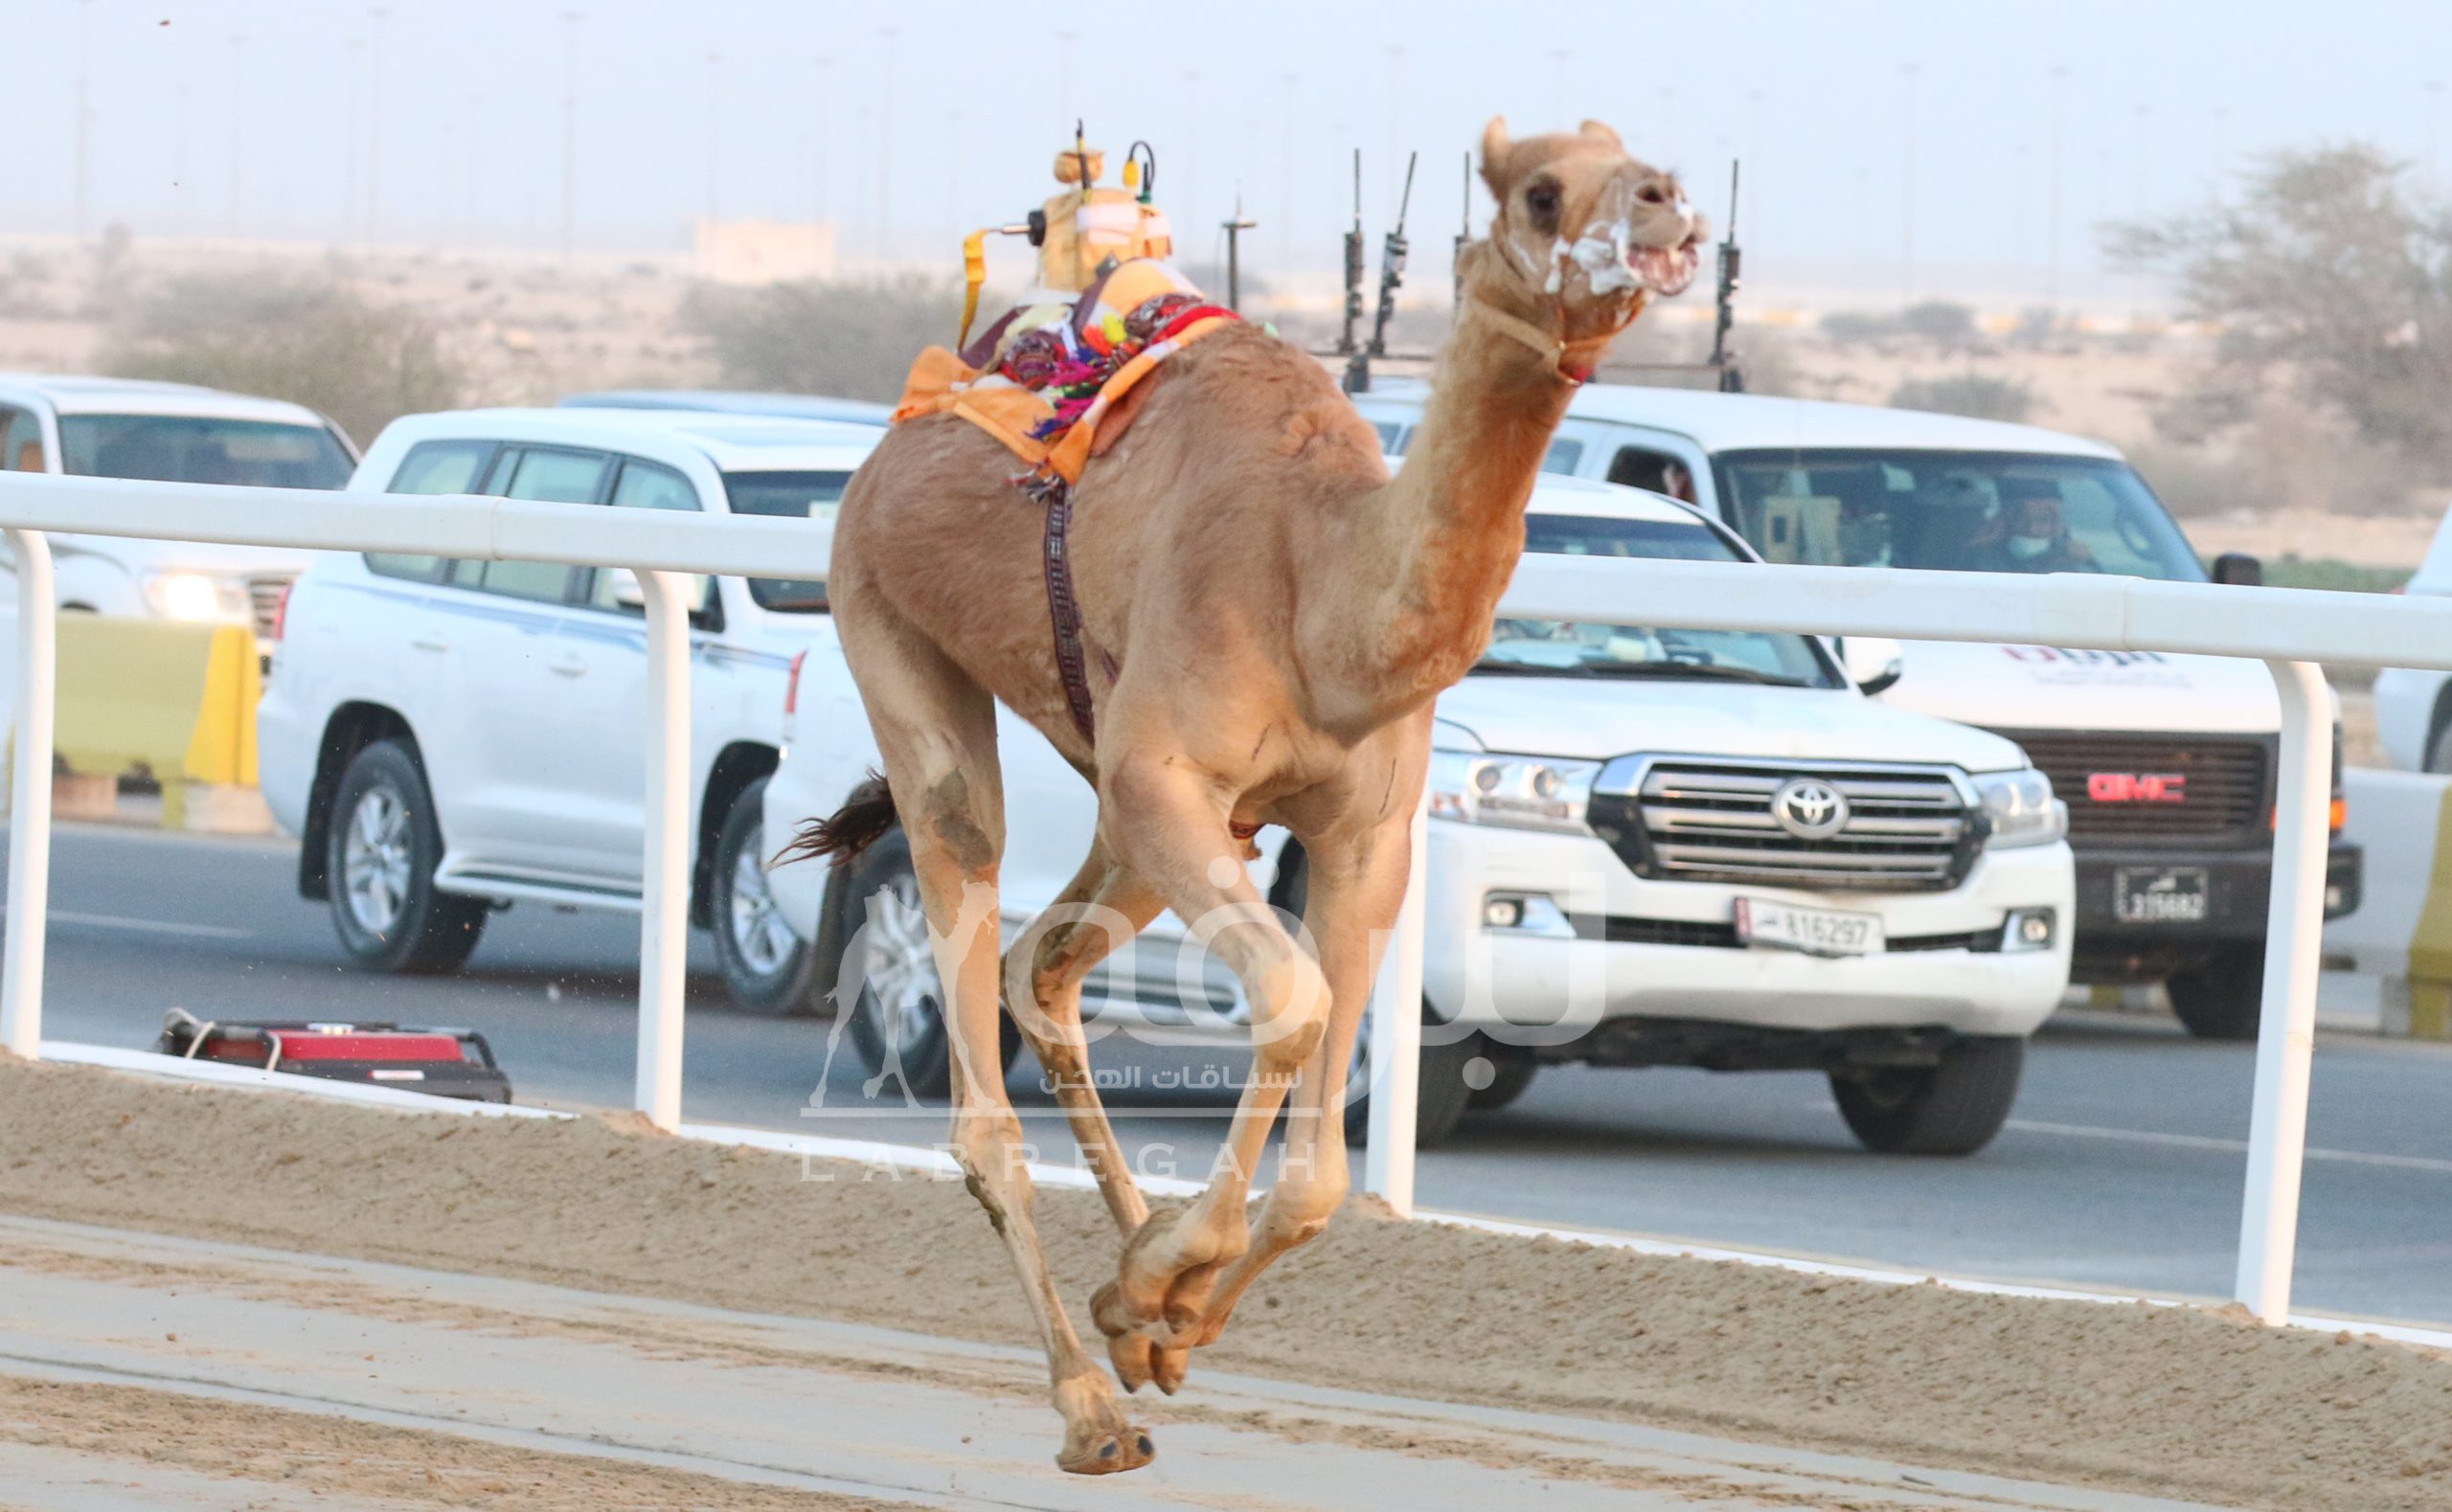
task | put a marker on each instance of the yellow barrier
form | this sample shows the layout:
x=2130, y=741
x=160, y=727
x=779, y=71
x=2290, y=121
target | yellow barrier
x=177, y=702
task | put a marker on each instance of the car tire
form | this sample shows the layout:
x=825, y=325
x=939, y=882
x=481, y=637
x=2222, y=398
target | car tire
x=2439, y=751
x=1952, y=1108
x=1444, y=1090
x=897, y=1024
x=2222, y=999
x=381, y=847
x=767, y=967
x=1512, y=1072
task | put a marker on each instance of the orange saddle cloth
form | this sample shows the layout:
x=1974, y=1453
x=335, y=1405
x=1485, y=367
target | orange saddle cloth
x=1045, y=380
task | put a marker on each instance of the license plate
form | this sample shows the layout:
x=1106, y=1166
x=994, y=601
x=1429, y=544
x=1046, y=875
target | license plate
x=1815, y=931
x=2160, y=895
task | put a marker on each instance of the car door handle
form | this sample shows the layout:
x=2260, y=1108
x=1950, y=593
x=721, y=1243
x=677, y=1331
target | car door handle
x=567, y=666
x=425, y=643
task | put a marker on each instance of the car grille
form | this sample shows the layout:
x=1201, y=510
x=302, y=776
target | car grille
x=2229, y=790
x=264, y=601
x=1907, y=827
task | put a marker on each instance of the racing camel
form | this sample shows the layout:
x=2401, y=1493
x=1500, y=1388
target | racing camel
x=1261, y=618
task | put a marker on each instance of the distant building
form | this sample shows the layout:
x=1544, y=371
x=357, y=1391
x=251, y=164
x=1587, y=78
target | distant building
x=765, y=251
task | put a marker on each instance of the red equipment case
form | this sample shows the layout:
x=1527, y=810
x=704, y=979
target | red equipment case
x=442, y=1063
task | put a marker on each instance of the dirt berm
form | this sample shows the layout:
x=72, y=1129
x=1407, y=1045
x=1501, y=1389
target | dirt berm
x=2175, y=1402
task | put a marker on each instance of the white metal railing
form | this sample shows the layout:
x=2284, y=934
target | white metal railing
x=2290, y=630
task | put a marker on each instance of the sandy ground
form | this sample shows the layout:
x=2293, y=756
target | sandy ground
x=729, y=1407
x=2169, y=1402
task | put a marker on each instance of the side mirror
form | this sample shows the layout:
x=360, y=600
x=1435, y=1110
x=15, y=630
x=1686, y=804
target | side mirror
x=2240, y=569
x=1872, y=662
x=622, y=586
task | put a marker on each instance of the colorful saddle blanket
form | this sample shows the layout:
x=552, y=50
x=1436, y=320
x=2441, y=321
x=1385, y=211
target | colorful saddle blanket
x=1045, y=379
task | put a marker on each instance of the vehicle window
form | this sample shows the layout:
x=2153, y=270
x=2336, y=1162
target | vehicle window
x=643, y=486
x=179, y=448
x=1662, y=472
x=790, y=496
x=1567, y=649
x=553, y=477
x=1388, y=432
x=430, y=467
x=1962, y=512
x=20, y=441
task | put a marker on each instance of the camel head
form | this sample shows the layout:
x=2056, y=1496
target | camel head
x=1584, y=231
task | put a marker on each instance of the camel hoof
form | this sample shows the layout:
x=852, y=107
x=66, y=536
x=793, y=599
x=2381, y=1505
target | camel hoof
x=1166, y=1367
x=1106, y=1451
x=1131, y=1356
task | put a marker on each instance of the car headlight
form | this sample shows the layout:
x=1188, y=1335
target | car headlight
x=2022, y=809
x=196, y=596
x=1518, y=792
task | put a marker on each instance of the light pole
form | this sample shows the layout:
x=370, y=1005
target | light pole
x=825, y=136
x=885, y=141
x=180, y=156
x=374, y=123
x=1907, y=183
x=1288, y=84
x=355, y=48
x=2051, y=275
x=238, y=117
x=570, y=131
x=714, y=129
x=84, y=116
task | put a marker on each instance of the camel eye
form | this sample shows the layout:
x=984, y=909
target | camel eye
x=1651, y=195
x=1541, y=201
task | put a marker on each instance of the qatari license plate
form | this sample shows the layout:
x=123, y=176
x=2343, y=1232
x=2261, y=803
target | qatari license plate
x=1815, y=931
x=2160, y=895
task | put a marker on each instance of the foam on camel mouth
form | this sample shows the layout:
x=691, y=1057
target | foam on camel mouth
x=1666, y=271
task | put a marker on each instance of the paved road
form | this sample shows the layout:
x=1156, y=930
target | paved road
x=2122, y=1168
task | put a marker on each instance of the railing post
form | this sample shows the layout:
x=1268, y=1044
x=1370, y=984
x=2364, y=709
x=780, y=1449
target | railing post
x=30, y=797
x=2286, y=1027
x=664, y=882
x=1396, y=1039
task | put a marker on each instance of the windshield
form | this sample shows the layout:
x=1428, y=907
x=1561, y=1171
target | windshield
x=1567, y=649
x=1959, y=511
x=795, y=496
x=179, y=448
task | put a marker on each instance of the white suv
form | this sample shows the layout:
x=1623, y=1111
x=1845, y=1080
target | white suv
x=1708, y=847
x=446, y=736
x=168, y=432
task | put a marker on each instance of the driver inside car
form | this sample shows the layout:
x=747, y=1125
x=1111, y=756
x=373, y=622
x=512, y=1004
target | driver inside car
x=2030, y=534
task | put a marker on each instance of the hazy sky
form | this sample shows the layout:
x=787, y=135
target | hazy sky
x=949, y=122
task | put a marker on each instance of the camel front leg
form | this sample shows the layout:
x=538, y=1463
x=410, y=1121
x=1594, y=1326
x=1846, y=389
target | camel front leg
x=1172, y=829
x=1354, y=894
x=1104, y=907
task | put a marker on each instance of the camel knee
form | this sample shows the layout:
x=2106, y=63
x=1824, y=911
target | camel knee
x=1289, y=1012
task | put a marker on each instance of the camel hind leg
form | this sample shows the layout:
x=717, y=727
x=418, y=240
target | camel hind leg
x=937, y=732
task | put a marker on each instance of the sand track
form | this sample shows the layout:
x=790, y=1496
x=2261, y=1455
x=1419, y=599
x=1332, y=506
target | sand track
x=2173, y=1403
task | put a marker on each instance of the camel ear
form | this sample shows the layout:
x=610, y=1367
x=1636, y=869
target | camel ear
x=1495, y=145
x=1599, y=131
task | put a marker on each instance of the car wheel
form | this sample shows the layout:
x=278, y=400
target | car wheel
x=881, y=950
x=1448, y=1078
x=766, y=967
x=381, y=847
x=2439, y=751
x=1952, y=1108
x=2224, y=998
x=1512, y=1071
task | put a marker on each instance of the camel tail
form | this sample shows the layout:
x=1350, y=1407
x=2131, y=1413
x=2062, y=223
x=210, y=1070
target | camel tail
x=859, y=823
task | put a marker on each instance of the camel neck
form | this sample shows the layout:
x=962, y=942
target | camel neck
x=1442, y=538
